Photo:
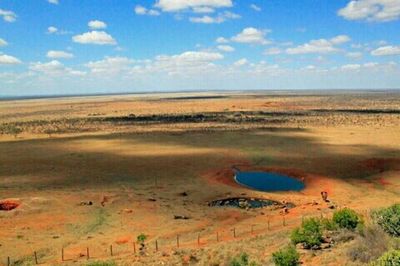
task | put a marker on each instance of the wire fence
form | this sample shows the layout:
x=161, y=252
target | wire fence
x=191, y=240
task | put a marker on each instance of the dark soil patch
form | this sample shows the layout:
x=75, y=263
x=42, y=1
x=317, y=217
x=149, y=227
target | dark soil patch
x=247, y=203
x=8, y=205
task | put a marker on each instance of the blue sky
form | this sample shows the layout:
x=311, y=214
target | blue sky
x=99, y=46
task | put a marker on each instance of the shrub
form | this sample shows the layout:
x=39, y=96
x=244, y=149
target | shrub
x=242, y=260
x=346, y=218
x=141, y=238
x=388, y=219
x=286, y=257
x=309, y=234
x=390, y=258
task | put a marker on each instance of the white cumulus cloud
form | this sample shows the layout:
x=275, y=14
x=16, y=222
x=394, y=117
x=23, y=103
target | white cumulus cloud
x=97, y=25
x=320, y=46
x=226, y=48
x=54, y=68
x=371, y=10
x=95, y=37
x=255, y=7
x=221, y=17
x=3, y=42
x=8, y=60
x=110, y=65
x=55, y=2
x=179, y=5
x=386, y=50
x=141, y=10
x=8, y=16
x=221, y=40
x=59, y=54
x=252, y=36
x=241, y=62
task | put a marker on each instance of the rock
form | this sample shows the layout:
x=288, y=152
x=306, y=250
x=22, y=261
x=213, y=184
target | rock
x=183, y=194
x=332, y=207
x=86, y=203
x=181, y=217
x=151, y=199
x=315, y=247
x=127, y=210
x=325, y=245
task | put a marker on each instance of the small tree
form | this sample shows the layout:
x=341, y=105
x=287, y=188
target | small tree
x=388, y=219
x=286, y=257
x=346, y=218
x=309, y=234
x=141, y=240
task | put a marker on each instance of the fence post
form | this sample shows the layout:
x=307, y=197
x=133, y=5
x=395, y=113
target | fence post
x=134, y=247
x=252, y=229
x=87, y=253
x=198, y=239
x=268, y=224
x=217, y=237
x=156, y=245
x=234, y=232
x=111, y=250
x=35, y=254
x=177, y=241
x=8, y=261
x=62, y=254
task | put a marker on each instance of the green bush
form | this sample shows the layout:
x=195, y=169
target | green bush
x=309, y=234
x=286, y=257
x=346, y=218
x=242, y=260
x=390, y=258
x=388, y=219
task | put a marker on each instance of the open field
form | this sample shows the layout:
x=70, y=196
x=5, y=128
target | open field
x=133, y=157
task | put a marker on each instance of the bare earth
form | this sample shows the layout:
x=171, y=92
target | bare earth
x=133, y=156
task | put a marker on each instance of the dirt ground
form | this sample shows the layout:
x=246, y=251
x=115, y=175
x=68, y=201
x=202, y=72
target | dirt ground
x=91, y=172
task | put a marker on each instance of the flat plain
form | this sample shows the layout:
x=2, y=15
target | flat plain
x=141, y=160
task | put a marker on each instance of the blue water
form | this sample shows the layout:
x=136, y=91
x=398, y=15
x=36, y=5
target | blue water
x=268, y=182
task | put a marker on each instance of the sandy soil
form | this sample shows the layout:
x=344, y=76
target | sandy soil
x=134, y=174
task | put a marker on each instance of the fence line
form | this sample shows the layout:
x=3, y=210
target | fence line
x=193, y=240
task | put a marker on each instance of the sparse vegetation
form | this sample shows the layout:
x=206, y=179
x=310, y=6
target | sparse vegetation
x=389, y=219
x=369, y=246
x=286, y=257
x=309, y=234
x=346, y=218
x=242, y=260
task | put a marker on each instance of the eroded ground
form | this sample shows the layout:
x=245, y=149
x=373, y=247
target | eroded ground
x=134, y=156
